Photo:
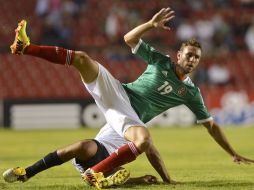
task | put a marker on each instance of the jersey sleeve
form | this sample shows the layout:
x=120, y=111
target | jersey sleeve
x=197, y=106
x=149, y=54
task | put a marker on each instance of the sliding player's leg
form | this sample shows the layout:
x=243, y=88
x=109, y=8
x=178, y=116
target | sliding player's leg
x=113, y=101
x=87, y=153
x=87, y=67
x=82, y=151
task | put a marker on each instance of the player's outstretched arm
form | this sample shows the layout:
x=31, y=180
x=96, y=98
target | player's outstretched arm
x=217, y=134
x=154, y=158
x=158, y=21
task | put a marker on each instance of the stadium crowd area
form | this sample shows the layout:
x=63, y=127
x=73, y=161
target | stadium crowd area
x=224, y=27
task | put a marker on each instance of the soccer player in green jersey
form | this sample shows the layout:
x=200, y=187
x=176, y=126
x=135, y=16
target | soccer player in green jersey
x=127, y=107
x=165, y=84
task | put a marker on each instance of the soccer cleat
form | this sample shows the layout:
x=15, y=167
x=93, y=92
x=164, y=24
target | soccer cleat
x=100, y=182
x=92, y=178
x=21, y=39
x=118, y=178
x=15, y=174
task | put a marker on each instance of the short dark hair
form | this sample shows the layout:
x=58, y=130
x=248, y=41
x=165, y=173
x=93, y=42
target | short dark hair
x=191, y=42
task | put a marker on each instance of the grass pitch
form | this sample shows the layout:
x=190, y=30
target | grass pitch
x=191, y=156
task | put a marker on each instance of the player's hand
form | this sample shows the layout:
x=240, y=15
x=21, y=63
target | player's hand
x=146, y=179
x=163, y=16
x=240, y=159
x=149, y=179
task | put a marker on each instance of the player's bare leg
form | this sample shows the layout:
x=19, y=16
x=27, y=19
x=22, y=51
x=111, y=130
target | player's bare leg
x=83, y=150
x=140, y=136
x=87, y=67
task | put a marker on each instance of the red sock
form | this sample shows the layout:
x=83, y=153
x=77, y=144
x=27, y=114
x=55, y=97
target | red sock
x=51, y=53
x=121, y=156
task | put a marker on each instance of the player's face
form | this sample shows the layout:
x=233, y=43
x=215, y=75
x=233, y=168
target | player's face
x=188, y=58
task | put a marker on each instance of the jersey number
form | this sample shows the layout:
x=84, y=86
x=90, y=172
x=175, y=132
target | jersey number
x=165, y=88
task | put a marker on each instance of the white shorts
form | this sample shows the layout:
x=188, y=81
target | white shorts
x=113, y=101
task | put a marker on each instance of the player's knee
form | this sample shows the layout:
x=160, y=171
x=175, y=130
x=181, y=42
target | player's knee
x=87, y=67
x=143, y=143
x=140, y=136
x=85, y=149
x=80, y=146
x=75, y=150
x=85, y=145
x=81, y=59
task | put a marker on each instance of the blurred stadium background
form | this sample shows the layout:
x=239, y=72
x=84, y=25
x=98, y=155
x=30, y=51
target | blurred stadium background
x=35, y=94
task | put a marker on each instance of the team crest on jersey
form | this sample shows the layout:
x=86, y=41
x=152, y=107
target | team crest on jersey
x=181, y=91
x=165, y=73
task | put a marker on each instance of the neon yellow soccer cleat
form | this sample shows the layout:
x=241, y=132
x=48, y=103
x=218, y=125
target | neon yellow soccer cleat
x=92, y=178
x=15, y=174
x=98, y=180
x=118, y=178
x=21, y=39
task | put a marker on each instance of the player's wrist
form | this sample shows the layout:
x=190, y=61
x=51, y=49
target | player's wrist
x=151, y=24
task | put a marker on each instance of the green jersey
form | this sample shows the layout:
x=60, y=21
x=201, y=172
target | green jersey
x=159, y=89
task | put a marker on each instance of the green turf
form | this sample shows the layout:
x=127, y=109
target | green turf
x=190, y=154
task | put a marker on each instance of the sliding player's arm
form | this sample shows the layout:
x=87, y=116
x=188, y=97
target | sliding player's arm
x=156, y=161
x=217, y=134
